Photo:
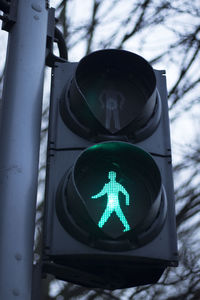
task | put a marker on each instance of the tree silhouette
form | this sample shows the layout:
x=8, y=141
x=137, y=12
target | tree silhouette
x=139, y=26
x=167, y=34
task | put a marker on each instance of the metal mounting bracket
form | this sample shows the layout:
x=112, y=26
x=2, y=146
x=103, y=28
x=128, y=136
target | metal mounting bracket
x=9, y=18
x=51, y=58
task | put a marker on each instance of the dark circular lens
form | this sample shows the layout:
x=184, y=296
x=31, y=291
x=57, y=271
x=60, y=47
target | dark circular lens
x=114, y=193
x=116, y=93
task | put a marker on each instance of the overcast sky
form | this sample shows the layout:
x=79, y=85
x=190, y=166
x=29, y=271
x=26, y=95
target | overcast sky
x=184, y=129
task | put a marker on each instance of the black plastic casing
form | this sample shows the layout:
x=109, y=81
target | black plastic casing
x=72, y=260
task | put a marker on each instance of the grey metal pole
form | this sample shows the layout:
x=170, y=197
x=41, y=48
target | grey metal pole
x=19, y=147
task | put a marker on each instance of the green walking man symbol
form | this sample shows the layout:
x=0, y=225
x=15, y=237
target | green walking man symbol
x=112, y=189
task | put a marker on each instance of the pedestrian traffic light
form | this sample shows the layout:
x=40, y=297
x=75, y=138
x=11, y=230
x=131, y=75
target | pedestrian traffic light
x=109, y=213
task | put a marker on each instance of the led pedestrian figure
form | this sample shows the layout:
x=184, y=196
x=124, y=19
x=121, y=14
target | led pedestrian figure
x=112, y=189
x=112, y=101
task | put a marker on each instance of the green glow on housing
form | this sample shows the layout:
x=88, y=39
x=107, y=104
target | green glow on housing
x=112, y=190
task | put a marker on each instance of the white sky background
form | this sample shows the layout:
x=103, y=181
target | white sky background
x=3, y=44
x=184, y=131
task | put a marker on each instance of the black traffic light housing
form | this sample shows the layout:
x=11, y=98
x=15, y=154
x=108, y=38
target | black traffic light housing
x=109, y=115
